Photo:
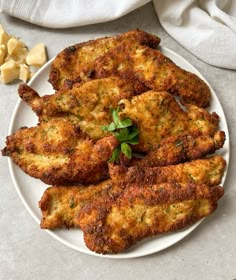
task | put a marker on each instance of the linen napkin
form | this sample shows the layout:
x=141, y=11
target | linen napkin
x=207, y=28
x=69, y=13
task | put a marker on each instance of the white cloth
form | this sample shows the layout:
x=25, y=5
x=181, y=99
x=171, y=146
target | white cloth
x=207, y=28
x=69, y=13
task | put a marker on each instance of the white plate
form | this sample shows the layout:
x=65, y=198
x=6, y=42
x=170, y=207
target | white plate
x=30, y=190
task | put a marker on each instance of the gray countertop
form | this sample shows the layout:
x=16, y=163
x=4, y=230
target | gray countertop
x=26, y=252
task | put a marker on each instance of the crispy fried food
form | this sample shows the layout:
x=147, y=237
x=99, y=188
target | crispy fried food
x=87, y=105
x=57, y=152
x=111, y=225
x=76, y=63
x=148, y=67
x=159, y=116
x=115, y=206
x=117, y=62
x=181, y=149
x=60, y=204
x=159, y=73
x=208, y=171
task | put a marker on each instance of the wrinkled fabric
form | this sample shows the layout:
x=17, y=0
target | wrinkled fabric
x=64, y=14
x=207, y=28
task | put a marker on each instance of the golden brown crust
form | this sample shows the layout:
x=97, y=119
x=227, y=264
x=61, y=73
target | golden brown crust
x=27, y=94
x=160, y=73
x=168, y=189
x=177, y=149
x=59, y=204
x=149, y=69
x=76, y=63
x=117, y=62
x=113, y=225
x=57, y=152
x=87, y=105
x=208, y=171
x=159, y=116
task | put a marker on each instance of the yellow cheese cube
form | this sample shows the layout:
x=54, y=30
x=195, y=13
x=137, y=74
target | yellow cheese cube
x=37, y=55
x=14, y=45
x=2, y=53
x=24, y=72
x=9, y=72
x=4, y=37
x=19, y=55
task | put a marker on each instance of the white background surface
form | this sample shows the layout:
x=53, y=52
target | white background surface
x=26, y=252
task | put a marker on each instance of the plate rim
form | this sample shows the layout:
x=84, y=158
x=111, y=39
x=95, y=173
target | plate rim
x=124, y=255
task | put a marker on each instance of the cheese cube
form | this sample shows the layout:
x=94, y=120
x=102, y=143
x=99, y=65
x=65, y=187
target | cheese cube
x=2, y=53
x=9, y=72
x=19, y=55
x=24, y=72
x=14, y=45
x=4, y=37
x=37, y=55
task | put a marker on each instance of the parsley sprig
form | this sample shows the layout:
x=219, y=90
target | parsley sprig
x=125, y=132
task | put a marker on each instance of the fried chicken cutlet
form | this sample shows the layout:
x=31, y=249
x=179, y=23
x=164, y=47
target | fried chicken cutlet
x=60, y=204
x=134, y=57
x=56, y=201
x=207, y=171
x=111, y=225
x=182, y=148
x=87, y=104
x=159, y=73
x=159, y=116
x=57, y=152
x=76, y=63
x=150, y=67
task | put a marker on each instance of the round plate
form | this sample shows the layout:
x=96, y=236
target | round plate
x=31, y=190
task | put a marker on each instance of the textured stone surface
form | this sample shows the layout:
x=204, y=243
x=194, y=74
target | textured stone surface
x=26, y=252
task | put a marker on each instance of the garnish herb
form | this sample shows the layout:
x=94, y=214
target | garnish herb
x=125, y=132
x=72, y=202
x=178, y=143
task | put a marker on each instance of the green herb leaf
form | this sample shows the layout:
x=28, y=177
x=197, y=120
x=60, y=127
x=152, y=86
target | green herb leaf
x=122, y=135
x=133, y=141
x=134, y=131
x=115, y=155
x=110, y=127
x=124, y=123
x=115, y=115
x=72, y=202
x=178, y=143
x=126, y=150
x=125, y=132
